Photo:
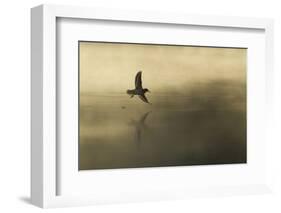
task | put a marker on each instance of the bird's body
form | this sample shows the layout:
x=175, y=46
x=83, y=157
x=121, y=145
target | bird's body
x=139, y=91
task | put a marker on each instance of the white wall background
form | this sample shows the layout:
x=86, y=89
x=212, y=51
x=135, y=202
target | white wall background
x=15, y=105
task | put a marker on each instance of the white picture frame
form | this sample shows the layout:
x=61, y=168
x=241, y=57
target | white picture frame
x=44, y=83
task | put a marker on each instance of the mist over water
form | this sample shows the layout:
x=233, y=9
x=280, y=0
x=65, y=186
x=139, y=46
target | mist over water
x=205, y=124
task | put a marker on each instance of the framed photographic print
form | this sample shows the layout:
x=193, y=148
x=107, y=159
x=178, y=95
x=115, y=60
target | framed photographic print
x=130, y=106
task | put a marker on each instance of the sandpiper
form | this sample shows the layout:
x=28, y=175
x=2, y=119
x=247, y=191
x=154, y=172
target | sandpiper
x=139, y=91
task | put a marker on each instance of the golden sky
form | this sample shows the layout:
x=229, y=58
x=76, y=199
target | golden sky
x=111, y=67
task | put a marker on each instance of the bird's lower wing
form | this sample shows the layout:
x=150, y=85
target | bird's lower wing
x=143, y=98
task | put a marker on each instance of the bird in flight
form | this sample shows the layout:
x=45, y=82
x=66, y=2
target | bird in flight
x=139, y=91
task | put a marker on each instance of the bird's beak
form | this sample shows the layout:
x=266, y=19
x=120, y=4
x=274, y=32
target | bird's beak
x=148, y=91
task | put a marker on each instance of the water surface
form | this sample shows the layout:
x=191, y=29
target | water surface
x=206, y=125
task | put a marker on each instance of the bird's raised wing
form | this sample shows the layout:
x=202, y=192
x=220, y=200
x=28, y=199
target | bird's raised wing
x=143, y=98
x=138, y=82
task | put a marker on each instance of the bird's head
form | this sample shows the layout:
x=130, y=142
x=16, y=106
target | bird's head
x=146, y=90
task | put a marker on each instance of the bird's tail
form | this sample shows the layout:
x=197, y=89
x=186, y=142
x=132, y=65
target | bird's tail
x=130, y=92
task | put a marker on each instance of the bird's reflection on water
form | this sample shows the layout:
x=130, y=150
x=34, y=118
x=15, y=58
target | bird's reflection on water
x=140, y=126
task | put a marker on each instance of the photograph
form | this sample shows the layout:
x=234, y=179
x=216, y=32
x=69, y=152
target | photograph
x=158, y=105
